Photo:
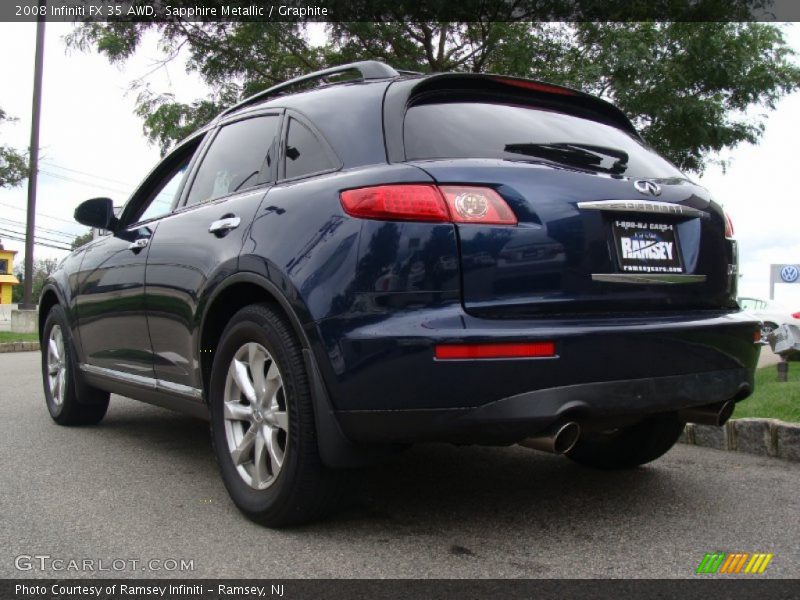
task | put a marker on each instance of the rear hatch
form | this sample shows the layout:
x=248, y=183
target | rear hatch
x=604, y=223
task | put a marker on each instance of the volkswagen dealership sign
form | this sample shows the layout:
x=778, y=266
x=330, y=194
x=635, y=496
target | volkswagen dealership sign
x=782, y=274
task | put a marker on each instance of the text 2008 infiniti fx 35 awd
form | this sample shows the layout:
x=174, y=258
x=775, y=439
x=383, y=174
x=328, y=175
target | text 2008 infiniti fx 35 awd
x=331, y=272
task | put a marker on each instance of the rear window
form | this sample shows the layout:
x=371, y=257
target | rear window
x=516, y=132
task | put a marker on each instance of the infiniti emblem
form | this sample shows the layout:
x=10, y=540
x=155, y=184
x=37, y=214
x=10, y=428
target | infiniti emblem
x=645, y=186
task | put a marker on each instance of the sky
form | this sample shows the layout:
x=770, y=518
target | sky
x=92, y=144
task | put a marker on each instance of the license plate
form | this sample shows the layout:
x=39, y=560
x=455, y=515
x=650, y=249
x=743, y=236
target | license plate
x=647, y=247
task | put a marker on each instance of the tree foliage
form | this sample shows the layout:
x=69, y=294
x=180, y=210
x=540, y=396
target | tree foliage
x=13, y=164
x=692, y=89
x=82, y=240
x=41, y=270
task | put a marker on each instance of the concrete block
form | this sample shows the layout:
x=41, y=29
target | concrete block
x=753, y=436
x=710, y=436
x=787, y=437
x=24, y=321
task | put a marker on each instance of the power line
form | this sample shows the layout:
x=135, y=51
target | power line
x=45, y=229
x=38, y=214
x=4, y=231
x=22, y=239
x=94, y=176
x=83, y=182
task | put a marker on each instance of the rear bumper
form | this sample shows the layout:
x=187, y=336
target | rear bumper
x=597, y=405
x=386, y=385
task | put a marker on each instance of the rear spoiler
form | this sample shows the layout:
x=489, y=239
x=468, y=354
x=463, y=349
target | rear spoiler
x=443, y=87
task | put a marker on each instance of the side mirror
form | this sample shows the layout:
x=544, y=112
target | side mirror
x=98, y=213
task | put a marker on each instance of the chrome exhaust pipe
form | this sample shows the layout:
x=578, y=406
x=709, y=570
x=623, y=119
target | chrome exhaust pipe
x=710, y=414
x=558, y=440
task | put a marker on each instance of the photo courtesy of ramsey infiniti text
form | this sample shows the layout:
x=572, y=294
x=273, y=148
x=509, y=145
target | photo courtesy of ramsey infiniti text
x=362, y=258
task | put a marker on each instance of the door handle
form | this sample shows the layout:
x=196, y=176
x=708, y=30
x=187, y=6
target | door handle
x=137, y=245
x=224, y=224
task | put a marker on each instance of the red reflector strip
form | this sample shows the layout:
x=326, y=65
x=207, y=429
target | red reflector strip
x=536, y=86
x=511, y=350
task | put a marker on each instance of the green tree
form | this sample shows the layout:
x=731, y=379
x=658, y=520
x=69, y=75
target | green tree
x=82, y=240
x=690, y=88
x=13, y=164
x=41, y=270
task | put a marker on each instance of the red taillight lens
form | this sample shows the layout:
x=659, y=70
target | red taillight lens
x=423, y=202
x=796, y=315
x=510, y=350
x=396, y=203
x=728, y=226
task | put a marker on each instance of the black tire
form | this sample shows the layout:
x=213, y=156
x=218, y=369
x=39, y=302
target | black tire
x=80, y=403
x=630, y=446
x=304, y=489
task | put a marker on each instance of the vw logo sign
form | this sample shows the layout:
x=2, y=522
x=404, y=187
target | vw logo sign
x=646, y=186
x=790, y=273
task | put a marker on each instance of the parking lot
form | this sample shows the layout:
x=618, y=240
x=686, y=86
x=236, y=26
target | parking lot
x=143, y=485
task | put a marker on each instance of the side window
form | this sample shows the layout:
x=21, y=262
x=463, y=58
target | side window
x=240, y=157
x=163, y=198
x=305, y=154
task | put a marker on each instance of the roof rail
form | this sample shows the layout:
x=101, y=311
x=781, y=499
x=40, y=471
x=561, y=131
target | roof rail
x=369, y=69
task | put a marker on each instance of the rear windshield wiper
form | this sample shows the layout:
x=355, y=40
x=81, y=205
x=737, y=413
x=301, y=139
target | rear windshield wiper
x=579, y=155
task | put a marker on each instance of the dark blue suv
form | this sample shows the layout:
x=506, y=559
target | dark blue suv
x=362, y=258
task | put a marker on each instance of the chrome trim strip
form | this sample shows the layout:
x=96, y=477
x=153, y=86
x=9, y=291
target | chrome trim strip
x=179, y=388
x=648, y=278
x=146, y=382
x=643, y=206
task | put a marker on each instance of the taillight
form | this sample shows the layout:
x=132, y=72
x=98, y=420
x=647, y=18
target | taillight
x=796, y=315
x=396, y=203
x=728, y=226
x=425, y=202
x=494, y=350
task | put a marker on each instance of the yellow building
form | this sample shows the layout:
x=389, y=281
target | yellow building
x=7, y=279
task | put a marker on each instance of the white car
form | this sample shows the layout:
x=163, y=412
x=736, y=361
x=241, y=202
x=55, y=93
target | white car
x=772, y=315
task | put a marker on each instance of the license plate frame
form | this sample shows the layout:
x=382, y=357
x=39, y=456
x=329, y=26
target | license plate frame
x=647, y=246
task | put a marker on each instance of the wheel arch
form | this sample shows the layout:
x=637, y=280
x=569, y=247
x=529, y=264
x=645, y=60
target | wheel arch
x=49, y=298
x=242, y=289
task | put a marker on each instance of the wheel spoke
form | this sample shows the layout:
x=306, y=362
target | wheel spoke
x=275, y=452
x=260, y=472
x=257, y=359
x=281, y=420
x=241, y=454
x=52, y=347
x=62, y=380
x=234, y=411
x=242, y=380
x=274, y=383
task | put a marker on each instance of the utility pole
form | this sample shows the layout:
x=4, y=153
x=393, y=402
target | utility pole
x=28, y=302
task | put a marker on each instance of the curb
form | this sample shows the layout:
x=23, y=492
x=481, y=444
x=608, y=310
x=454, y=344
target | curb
x=763, y=437
x=19, y=347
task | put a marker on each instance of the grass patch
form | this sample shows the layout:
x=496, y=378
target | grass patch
x=771, y=399
x=8, y=336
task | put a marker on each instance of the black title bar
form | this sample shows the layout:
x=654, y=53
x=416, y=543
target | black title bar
x=399, y=10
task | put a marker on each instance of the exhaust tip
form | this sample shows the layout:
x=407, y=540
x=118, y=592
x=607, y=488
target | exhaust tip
x=712, y=414
x=566, y=437
x=559, y=439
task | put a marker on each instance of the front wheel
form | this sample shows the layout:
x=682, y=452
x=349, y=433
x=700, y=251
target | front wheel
x=630, y=446
x=69, y=399
x=262, y=423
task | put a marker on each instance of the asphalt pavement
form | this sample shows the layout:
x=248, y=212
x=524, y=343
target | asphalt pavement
x=143, y=486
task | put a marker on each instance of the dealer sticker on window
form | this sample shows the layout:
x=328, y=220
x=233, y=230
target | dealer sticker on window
x=644, y=247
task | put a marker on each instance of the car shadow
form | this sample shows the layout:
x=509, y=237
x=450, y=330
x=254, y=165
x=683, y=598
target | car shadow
x=439, y=487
